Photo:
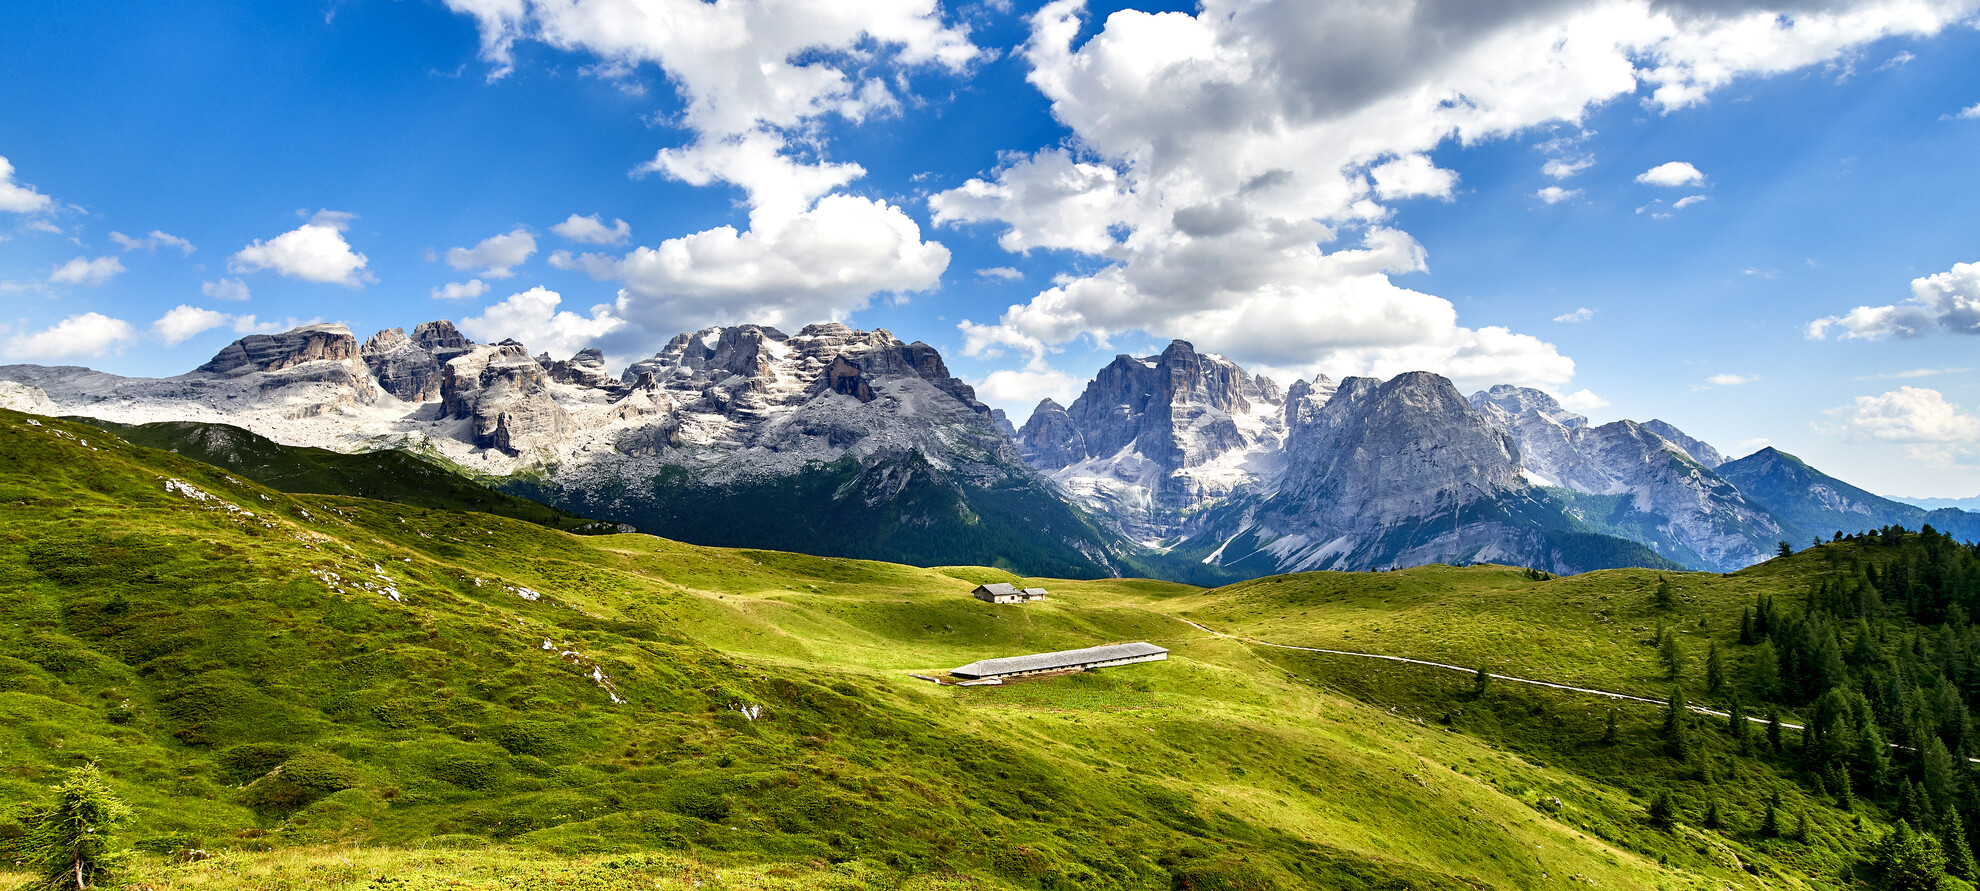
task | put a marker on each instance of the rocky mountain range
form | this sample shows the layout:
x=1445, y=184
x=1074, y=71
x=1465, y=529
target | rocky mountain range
x=1200, y=459
x=853, y=443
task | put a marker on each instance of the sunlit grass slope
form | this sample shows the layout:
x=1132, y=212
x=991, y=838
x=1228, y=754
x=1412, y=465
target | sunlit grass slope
x=339, y=680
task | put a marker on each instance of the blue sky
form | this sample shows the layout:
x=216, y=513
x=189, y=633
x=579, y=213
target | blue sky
x=1303, y=187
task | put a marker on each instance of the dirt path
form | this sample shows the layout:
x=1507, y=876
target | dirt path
x=1497, y=677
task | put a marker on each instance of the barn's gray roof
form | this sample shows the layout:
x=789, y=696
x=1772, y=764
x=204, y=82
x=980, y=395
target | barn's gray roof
x=1060, y=659
x=1034, y=592
x=999, y=588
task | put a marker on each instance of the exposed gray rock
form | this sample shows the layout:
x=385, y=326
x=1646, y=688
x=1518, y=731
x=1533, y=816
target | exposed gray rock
x=1050, y=439
x=1378, y=452
x=1003, y=423
x=278, y=352
x=1698, y=449
x=586, y=369
x=1153, y=439
x=1676, y=504
x=507, y=396
x=24, y=398
x=409, y=367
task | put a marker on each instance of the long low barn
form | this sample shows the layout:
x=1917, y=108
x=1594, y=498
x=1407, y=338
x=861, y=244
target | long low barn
x=1063, y=660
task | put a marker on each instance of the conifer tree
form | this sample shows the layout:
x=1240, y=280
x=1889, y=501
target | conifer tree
x=1738, y=725
x=1770, y=825
x=1671, y=652
x=1774, y=731
x=1665, y=598
x=1959, y=853
x=1610, y=735
x=1715, y=669
x=1714, y=819
x=1480, y=683
x=1677, y=725
x=73, y=842
x=1936, y=768
x=1663, y=810
x=1801, y=827
x=1746, y=636
x=1765, y=670
x=1911, y=861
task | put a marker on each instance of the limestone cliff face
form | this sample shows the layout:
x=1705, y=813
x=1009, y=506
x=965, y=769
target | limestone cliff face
x=1378, y=452
x=409, y=367
x=1675, y=502
x=586, y=369
x=506, y=393
x=1154, y=439
x=278, y=352
x=829, y=389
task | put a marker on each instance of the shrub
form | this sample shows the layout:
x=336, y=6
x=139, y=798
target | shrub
x=74, y=840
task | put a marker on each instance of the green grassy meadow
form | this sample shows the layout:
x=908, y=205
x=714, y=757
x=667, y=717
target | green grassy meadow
x=333, y=692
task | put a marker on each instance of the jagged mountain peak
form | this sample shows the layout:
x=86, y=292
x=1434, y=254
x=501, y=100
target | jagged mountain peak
x=1525, y=400
x=1698, y=449
x=1151, y=437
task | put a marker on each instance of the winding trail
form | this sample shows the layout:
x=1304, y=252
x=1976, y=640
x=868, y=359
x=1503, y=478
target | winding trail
x=1498, y=677
x=1501, y=677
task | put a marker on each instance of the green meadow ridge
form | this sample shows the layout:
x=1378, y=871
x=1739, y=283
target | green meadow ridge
x=327, y=691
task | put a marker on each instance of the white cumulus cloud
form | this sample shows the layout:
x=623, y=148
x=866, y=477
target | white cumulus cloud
x=183, y=322
x=1221, y=170
x=19, y=197
x=1002, y=273
x=1412, y=176
x=1948, y=301
x=1556, y=194
x=1579, y=315
x=532, y=317
x=1025, y=388
x=757, y=77
x=88, y=334
x=467, y=290
x=1969, y=113
x=1933, y=430
x=497, y=255
x=225, y=289
x=592, y=230
x=152, y=242
x=84, y=271
x=1671, y=175
x=315, y=251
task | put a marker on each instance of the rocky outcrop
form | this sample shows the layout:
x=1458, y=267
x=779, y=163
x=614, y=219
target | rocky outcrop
x=586, y=369
x=1154, y=439
x=506, y=394
x=1378, y=452
x=277, y=352
x=1698, y=449
x=25, y=398
x=1050, y=440
x=409, y=367
x=1675, y=502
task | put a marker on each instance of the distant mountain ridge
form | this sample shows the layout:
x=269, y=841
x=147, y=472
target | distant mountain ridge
x=1363, y=474
x=843, y=442
x=832, y=441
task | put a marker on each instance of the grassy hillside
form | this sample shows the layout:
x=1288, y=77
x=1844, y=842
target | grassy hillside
x=387, y=475
x=337, y=692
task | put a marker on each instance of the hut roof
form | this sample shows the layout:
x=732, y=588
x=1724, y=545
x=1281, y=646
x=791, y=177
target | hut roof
x=998, y=588
x=1060, y=659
